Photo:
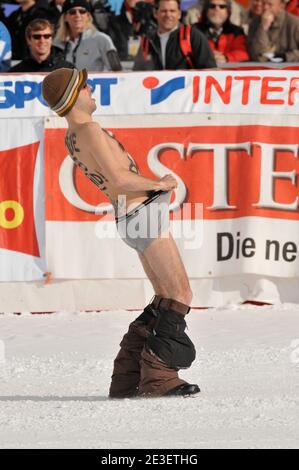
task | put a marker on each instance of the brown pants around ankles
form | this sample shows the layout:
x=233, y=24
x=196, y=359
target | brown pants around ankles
x=140, y=371
x=156, y=378
x=167, y=350
x=126, y=370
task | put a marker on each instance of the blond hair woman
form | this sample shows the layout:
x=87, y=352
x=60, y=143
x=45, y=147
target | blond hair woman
x=83, y=45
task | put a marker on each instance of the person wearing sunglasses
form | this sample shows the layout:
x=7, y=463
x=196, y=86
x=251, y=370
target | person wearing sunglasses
x=156, y=345
x=194, y=12
x=19, y=19
x=227, y=40
x=83, y=45
x=43, y=56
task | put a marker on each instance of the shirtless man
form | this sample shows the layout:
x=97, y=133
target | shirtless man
x=156, y=345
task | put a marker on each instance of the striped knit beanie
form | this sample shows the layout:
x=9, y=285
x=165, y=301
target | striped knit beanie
x=61, y=88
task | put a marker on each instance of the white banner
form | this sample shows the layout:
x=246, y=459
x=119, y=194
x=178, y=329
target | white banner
x=205, y=91
x=211, y=249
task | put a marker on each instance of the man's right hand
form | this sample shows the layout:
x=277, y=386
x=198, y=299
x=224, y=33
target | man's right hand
x=167, y=183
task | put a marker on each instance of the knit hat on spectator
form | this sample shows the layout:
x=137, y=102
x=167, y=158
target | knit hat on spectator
x=61, y=88
x=68, y=4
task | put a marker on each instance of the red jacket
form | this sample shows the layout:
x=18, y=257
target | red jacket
x=231, y=42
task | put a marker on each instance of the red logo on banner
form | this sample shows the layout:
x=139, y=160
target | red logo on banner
x=17, y=228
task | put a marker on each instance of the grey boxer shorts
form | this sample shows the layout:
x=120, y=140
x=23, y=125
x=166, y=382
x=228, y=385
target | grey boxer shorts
x=146, y=222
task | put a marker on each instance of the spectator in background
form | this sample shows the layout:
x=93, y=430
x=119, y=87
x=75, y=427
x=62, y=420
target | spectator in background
x=122, y=27
x=17, y=23
x=227, y=41
x=274, y=36
x=136, y=18
x=101, y=13
x=255, y=9
x=193, y=13
x=83, y=45
x=5, y=48
x=164, y=49
x=43, y=57
x=55, y=10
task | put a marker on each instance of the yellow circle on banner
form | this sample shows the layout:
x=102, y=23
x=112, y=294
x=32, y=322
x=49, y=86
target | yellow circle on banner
x=18, y=214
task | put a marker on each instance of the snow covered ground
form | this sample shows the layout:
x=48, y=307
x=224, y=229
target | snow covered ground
x=55, y=372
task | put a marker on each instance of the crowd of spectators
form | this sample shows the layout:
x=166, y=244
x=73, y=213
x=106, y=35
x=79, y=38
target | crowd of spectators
x=100, y=35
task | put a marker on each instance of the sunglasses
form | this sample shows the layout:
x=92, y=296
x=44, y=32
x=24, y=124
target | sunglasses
x=73, y=11
x=39, y=36
x=213, y=6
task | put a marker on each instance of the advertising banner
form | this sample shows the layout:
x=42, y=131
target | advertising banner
x=235, y=209
x=230, y=138
x=262, y=92
x=21, y=200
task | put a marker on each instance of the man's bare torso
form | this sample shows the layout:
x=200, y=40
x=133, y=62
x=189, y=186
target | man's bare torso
x=77, y=144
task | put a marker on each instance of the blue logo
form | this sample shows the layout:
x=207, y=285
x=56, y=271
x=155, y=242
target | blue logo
x=16, y=94
x=162, y=92
x=105, y=88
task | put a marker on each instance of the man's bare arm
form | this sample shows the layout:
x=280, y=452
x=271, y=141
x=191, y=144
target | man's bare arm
x=121, y=178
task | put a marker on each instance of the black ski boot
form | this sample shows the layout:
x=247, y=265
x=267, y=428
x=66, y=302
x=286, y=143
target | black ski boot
x=183, y=390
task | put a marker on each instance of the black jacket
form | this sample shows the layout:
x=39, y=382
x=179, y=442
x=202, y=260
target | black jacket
x=17, y=22
x=120, y=29
x=202, y=56
x=53, y=13
x=54, y=61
